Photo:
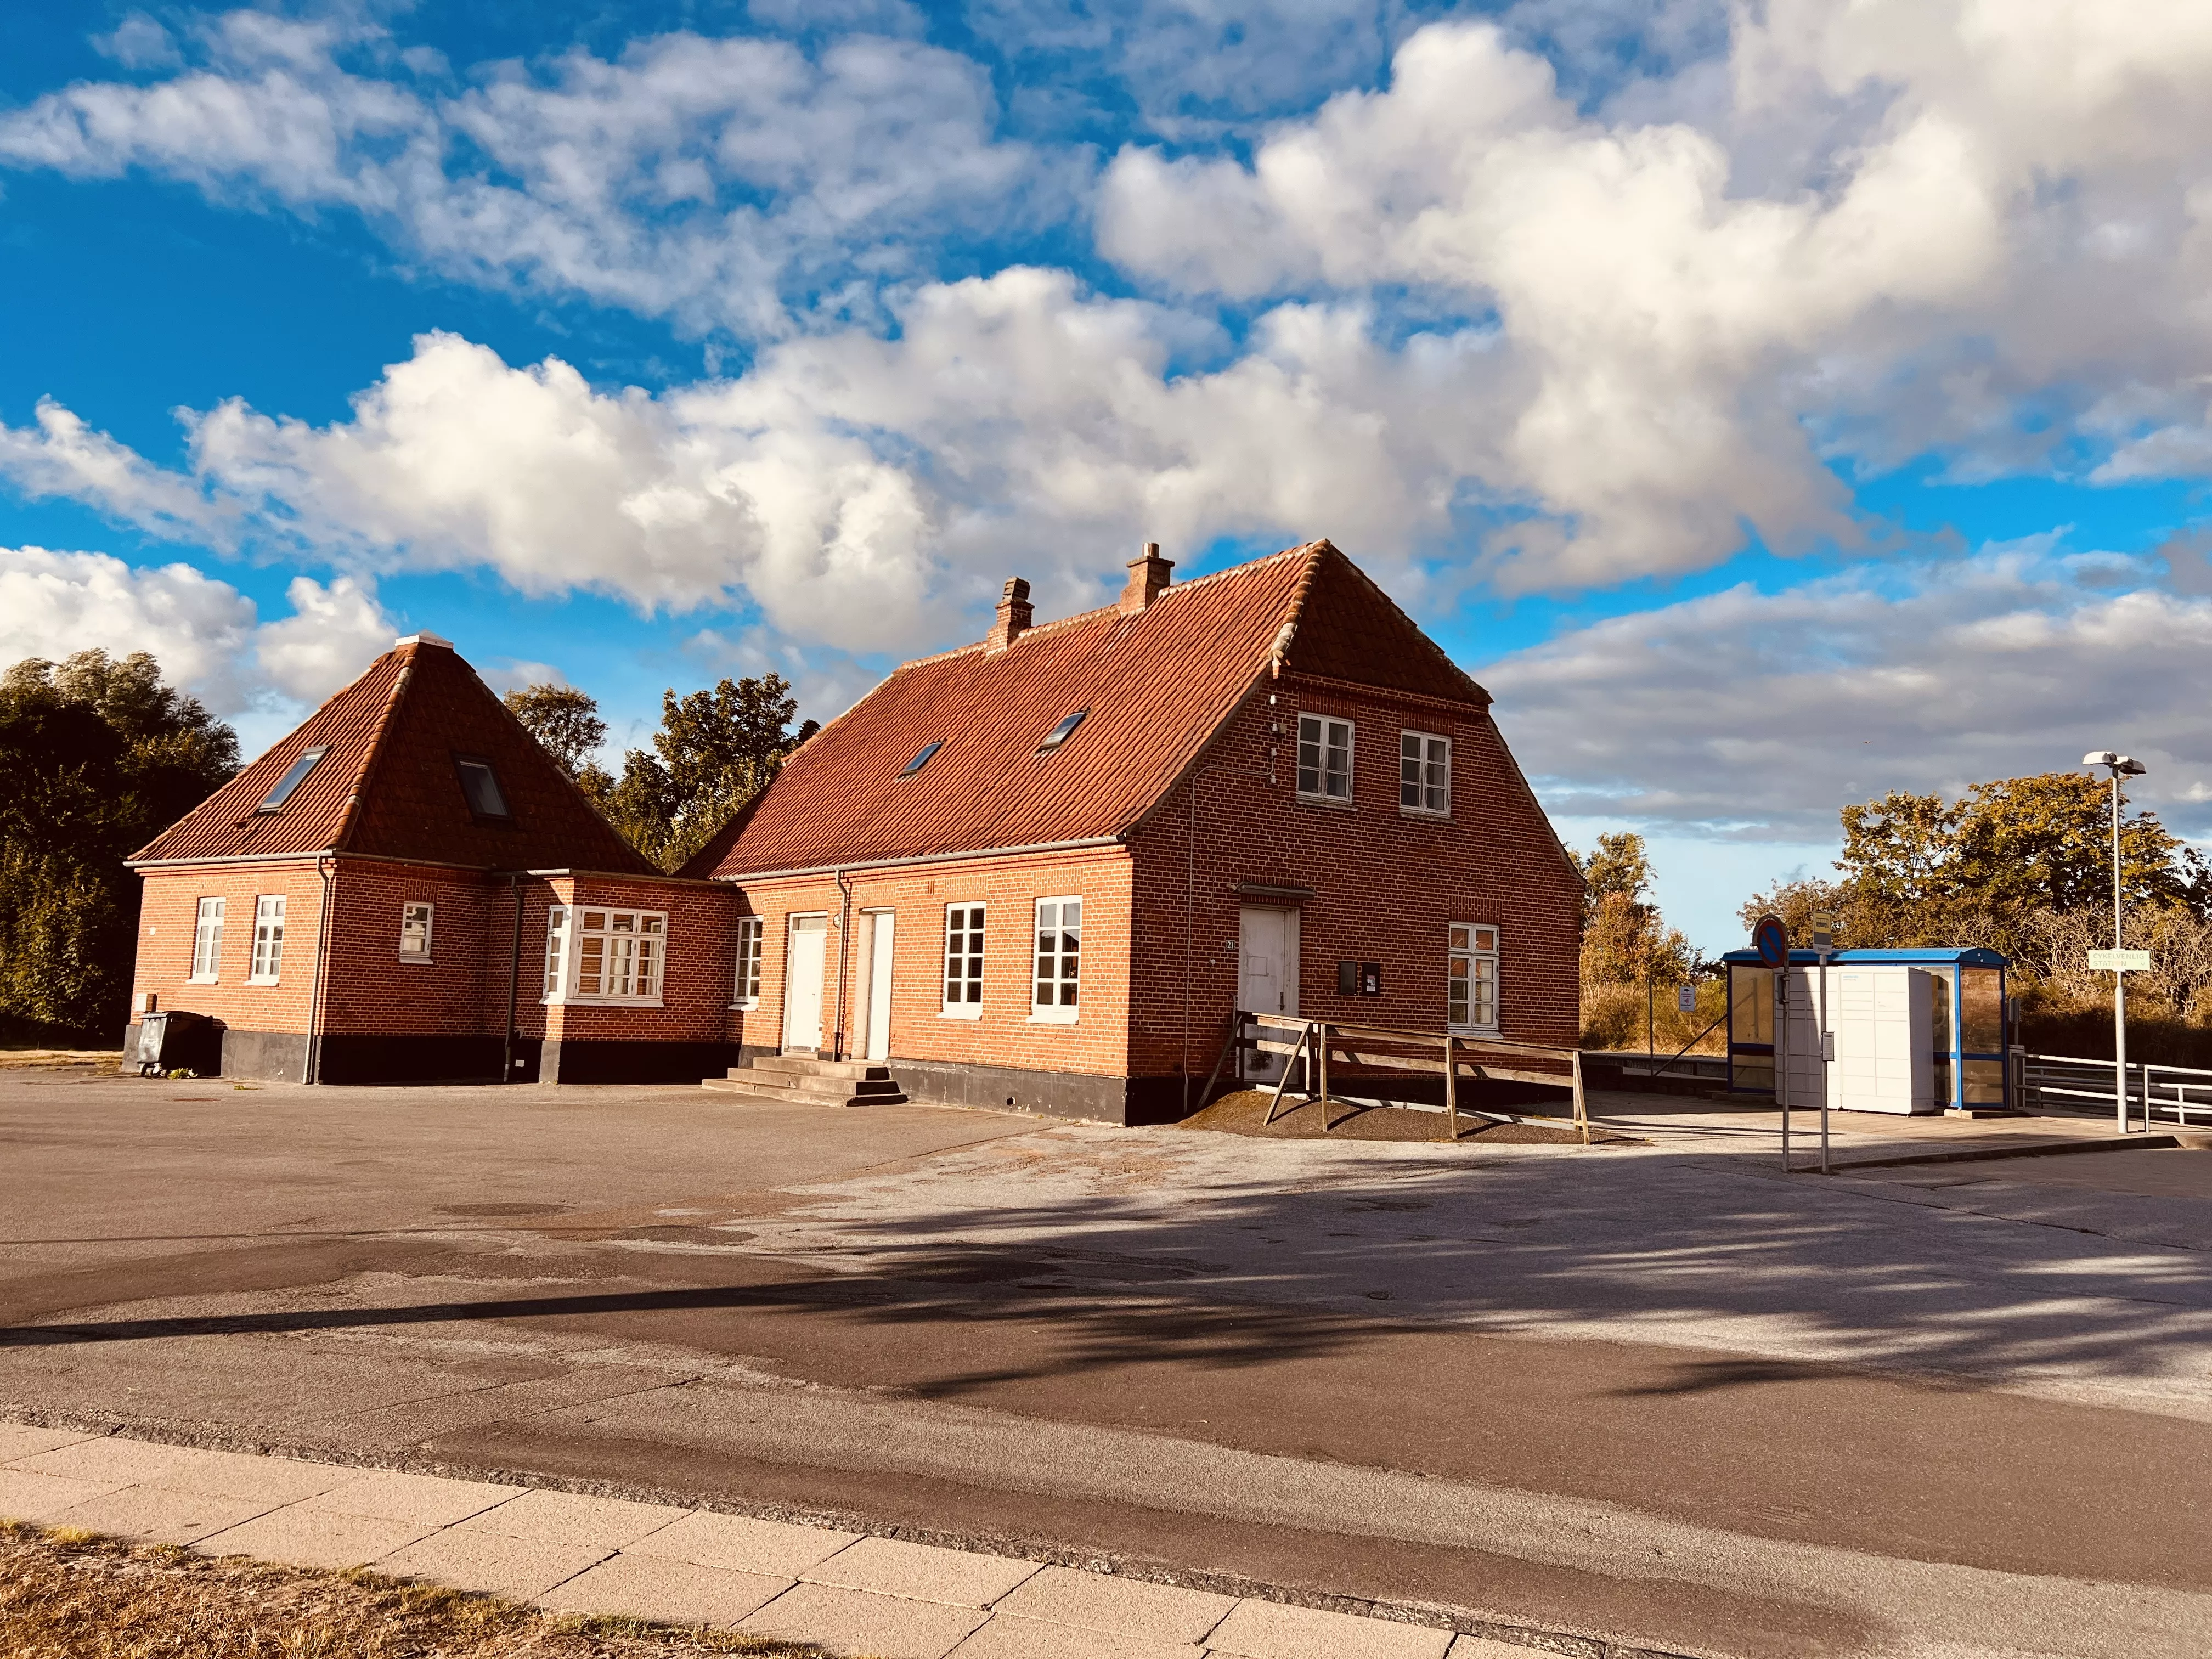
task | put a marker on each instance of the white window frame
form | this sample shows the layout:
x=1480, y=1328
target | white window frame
x=1325, y=726
x=1056, y=970
x=1477, y=956
x=964, y=966
x=1431, y=779
x=207, y=942
x=752, y=933
x=571, y=961
x=266, y=966
x=408, y=911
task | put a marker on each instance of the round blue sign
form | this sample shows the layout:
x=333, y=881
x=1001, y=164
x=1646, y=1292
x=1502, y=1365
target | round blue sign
x=1771, y=940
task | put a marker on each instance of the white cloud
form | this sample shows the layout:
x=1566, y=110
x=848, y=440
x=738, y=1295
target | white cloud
x=204, y=632
x=1757, y=715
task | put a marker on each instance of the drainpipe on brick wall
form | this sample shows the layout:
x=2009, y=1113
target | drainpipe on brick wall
x=312, y=1070
x=514, y=983
x=844, y=932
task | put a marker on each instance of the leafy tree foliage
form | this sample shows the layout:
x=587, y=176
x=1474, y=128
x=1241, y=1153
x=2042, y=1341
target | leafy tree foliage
x=1625, y=941
x=566, y=723
x=99, y=756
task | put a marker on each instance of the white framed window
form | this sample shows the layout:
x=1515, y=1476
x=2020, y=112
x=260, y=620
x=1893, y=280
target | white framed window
x=1324, y=758
x=963, y=961
x=746, y=994
x=414, y=932
x=207, y=942
x=1424, y=773
x=1059, y=958
x=594, y=953
x=268, y=939
x=1471, y=989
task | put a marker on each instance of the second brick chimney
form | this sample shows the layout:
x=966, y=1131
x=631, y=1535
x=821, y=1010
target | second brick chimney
x=1148, y=579
x=1014, y=613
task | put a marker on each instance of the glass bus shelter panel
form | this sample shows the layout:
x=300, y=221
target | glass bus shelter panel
x=1943, y=1031
x=1982, y=1035
x=1750, y=1028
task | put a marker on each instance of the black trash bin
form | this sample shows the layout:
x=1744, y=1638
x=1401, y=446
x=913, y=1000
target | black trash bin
x=172, y=1039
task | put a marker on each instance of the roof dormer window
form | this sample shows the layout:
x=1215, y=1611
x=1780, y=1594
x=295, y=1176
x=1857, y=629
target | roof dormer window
x=276, y=799
x=480, y=785
x=1059, y=733
x=922, y=759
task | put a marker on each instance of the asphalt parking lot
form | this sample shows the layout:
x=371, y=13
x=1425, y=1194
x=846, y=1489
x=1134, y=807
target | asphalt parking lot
x=1655, y=1394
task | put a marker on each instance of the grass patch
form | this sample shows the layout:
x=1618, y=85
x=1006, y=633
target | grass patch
x=67, y=1593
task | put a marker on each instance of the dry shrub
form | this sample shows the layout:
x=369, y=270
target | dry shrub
x=1613, y=1018
x=67, y=1595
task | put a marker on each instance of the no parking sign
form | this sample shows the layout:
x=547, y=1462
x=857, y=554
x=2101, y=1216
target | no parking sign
x=1770, y=938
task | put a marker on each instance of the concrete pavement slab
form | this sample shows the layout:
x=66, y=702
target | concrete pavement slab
x=742, y=1543
x=270, y=1480
x=19, y=1440
x=43, y=1498
x=1269, y=1629
x=1124, y=1607
x=673, y=1592
x=161, y=1515
x=520, y=1569
x=301, y=1537
x=922, y=1572
x=390, y=1495
x=853, y=1621
x=568, y=1517
x=1481, y=1647
x=1009, y=1638
x=113, y=1458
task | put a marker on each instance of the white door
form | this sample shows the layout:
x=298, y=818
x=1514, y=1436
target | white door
x=880, y=934
x=802, y=984
x=1268, y=978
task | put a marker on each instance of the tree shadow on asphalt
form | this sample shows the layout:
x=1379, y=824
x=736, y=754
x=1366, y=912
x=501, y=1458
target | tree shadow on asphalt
x=1708, y=1252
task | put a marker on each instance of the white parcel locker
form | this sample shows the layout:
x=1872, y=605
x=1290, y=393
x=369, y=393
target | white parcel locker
x=1881, y=1014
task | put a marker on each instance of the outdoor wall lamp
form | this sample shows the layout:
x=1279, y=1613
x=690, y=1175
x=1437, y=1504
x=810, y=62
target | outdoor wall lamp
x=2120, y=766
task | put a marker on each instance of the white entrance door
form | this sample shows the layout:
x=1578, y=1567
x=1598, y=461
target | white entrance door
x=1267, y=977
x=802, y=984
x=878, y=1037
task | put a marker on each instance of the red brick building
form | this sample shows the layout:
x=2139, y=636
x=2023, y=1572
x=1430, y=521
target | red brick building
x=1040, y=870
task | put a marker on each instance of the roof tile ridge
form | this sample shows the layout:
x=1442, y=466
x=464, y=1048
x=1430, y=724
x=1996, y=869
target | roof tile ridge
x=936, y=656
x=1249, y=565
x=378, y=734
x=1295, y=608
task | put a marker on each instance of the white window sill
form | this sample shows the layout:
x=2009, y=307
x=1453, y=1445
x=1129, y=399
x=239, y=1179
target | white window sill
x=1489, y=1032
x=423, y=961
x=753, y=1007
x=1429, y=813
x=204, y=979
x=1054, y=1016
x=251, y=979
x=1341, y=803
x=965, y=1011
x=600, y=1002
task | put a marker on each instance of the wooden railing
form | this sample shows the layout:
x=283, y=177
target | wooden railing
x=1321, y=1043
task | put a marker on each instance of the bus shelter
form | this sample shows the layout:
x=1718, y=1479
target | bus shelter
x=1921, y=1030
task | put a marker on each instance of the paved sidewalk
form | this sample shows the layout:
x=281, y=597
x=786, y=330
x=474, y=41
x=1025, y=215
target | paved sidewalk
x=844, y=1592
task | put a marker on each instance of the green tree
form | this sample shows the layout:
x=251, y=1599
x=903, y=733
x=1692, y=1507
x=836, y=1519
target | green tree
x=1625, y=940
x=99, y=756
x=714, y=752
x=566, y=723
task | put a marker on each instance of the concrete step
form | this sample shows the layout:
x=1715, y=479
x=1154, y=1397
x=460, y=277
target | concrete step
x=809, y=1083
x=760, y=1087
x=807, y=1064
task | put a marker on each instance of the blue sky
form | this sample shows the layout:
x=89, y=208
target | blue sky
x=1772, y=411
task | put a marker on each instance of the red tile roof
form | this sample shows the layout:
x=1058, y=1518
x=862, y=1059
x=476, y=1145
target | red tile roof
x=1158, y=683
x=387, y=785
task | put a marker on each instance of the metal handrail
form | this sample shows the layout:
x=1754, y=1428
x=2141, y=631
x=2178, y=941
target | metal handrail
x=2145, y=1081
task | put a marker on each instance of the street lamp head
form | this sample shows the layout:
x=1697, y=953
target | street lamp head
x=2128, y=768
x=2102, y=757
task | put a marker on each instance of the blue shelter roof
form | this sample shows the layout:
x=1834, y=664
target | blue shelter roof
x=1972, y=956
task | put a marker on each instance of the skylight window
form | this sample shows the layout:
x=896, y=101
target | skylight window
x=922, y=759
x=291, y=781
x=1059, y=733
x=481, y=785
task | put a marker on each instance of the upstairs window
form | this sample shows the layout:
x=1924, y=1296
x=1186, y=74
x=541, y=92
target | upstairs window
x=274, y=801
x=480, y=786
x=963, y=961
x=1424, y=773
x=268, y=939
x=1471, y=982
x=1059, y=733
x=749, y=962
x=1059, y=955
x=415, y=932
x=922, y=759
x=207, y=941
x=1324, y=758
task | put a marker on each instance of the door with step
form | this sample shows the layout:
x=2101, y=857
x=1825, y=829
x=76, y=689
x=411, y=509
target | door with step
x=876, y=1010
x=1268, y=978
x=804, y=959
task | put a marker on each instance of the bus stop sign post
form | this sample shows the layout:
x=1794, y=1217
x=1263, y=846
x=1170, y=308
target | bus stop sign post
x=1770, y=938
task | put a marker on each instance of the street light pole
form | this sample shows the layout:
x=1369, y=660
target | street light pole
x=2121, y=766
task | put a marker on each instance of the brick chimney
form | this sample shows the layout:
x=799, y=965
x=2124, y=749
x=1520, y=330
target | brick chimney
x=1014, y=613
x=1148, y=579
